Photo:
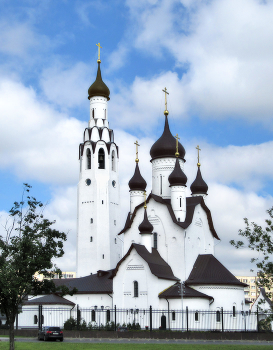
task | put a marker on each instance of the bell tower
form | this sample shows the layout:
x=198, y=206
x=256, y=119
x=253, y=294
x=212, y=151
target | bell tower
x=98, y=246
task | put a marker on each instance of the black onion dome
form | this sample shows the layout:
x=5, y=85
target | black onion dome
x=165, y=146
x=145, y=226
x=137, y=183
x=177, y=177
x=99, y=88
x=199, y=186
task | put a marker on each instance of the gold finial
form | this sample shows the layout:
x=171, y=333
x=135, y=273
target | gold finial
x=166, y=112
x=137, y=144
x=145, y=204
x=177, y=138
x=99, y=47
x=198, y=149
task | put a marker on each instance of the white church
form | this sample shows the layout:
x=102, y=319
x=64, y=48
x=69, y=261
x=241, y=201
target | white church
x=167, y=240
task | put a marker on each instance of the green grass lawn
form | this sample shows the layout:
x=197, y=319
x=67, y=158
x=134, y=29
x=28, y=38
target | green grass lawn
x=94, y=346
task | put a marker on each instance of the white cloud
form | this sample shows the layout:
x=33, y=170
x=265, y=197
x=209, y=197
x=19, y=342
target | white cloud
x=36, y=141
x=226, y=47
x=66, y=86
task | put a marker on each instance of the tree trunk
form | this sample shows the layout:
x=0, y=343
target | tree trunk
x=11, y=334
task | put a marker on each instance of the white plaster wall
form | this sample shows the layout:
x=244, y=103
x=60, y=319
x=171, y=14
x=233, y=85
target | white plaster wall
x=99, y=104
x=198, y=239
x=134, y=268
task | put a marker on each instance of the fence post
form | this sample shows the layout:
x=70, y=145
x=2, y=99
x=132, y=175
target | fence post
x=222, y=312
x=187, y=318
x=78, y=317
x=40, y=317
x=258, y=326
x=151, y=318
x=115, y=317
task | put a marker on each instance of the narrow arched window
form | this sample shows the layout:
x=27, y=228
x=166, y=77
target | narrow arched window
x=88, y=158
x=108, y=316
x=35, y=319
x=218, y=316
x=113, y=161
x=101, y=158
x=93, y=113
x=135, y=289
x=93, y=316
x=160, y=184
x=155, y=240
x=196, y=316
x=234, y=311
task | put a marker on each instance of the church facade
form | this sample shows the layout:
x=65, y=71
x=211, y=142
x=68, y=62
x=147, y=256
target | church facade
x=164, y=255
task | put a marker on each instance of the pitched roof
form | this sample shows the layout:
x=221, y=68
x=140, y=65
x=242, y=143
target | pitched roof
x=262, y=292
x=191, y=203
x=157, y=265
x=174, y=292
x=50, y=299
x=99, y=283
x=208, y=270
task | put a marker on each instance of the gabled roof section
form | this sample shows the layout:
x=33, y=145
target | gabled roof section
x=174, y=292
x=99, y=283
x=208, y=270
x=50, y=299
x=157, y=265
x=191, y=203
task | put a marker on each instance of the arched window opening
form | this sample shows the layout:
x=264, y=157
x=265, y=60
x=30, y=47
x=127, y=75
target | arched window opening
x=180, y=202
x=218, y=316
x=91, y=221
x=105, y=113
x=160, y=184
x=115, y=241
x=173, y=316
x=35, y=319
x=135, y=289
x=88, y=158
x=93, y=316
x=234, y=311
x=91, y=239
x=93, y=113
x=108, y=316
x=196, y=316
x=101, y=158
x=102, y=256
x=155, y=240
x=113, y=161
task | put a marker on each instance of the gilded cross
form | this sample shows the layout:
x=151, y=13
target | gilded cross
x=145, y=205
x=137, y=144
x=198, y=149
x=166, y=93
x=99, y=47
x=177, y=138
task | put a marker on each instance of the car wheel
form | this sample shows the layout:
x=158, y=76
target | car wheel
x=61, y=340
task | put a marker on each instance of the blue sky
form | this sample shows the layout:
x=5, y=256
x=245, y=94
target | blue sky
x=215, y=58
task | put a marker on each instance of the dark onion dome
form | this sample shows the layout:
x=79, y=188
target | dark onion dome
x=137, y=183
x=199, y=186
x=165, y=146
x=177, y=177
x=145, y=226
x=99, y=88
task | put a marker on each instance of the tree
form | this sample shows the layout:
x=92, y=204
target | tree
x=28, y=247
x=260, y=239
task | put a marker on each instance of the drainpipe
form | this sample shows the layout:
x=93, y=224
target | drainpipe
x=168, y=313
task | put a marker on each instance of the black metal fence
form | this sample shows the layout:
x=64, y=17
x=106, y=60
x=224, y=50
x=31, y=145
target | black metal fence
x=149, y=319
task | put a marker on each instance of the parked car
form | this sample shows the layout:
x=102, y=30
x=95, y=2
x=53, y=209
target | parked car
x=122, y=329
x=48, y=333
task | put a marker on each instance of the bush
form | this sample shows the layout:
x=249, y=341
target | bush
x=70, y=324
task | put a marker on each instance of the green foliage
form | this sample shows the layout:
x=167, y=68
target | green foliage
x=265, y=325
x=70, y=324
x=28, y=246
x=260, y=239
